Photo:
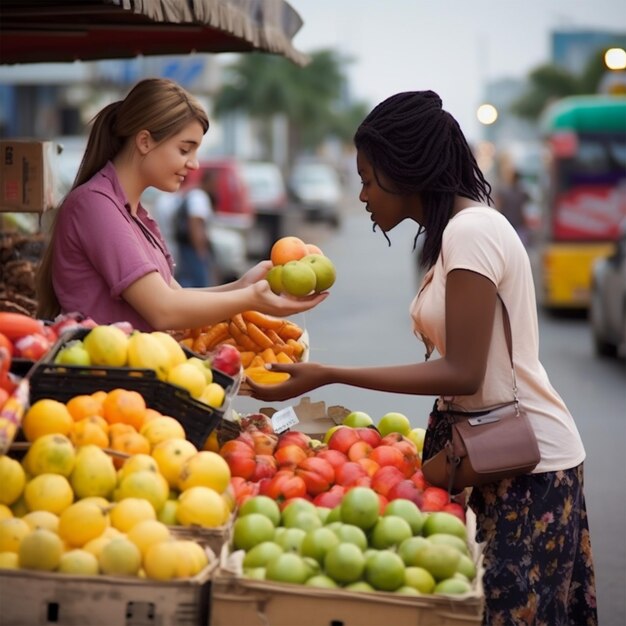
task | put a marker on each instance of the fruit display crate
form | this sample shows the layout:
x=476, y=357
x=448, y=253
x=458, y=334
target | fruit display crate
x=213, y=538
x=62, y=382
x=238, y=600
x=30, y=598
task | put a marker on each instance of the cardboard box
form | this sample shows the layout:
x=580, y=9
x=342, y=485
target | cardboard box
x=236, y=600
x=314, y=418
x=27, y=180
x=30, y=598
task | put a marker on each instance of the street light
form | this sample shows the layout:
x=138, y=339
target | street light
x=615, y=58
x=487, y=114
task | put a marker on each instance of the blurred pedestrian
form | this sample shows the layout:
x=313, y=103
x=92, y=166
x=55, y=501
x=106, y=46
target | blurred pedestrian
x=106, y=257
x=192, y=222
x=415, y=163
x=511, y=200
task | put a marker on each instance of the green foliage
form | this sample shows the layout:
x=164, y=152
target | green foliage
x=312, y=97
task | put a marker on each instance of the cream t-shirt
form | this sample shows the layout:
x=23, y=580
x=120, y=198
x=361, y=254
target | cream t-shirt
x=482, y=240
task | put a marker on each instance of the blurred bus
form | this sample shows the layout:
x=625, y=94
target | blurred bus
x=583, y=195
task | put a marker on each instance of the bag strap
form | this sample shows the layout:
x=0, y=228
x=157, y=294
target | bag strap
x=508, y=335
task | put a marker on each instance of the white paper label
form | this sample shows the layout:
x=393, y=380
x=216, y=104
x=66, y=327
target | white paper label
x=284, y=419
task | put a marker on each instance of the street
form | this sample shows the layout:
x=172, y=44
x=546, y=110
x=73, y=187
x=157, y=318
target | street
x=365, y=321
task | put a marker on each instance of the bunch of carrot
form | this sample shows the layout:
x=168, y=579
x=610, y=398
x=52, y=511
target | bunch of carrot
x=259, y=338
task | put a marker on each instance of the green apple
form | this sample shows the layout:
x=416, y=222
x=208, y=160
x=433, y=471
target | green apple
x=298, y=278
x=273, y=277
x=356, y=419
x=416, y=435
x=324, y=271
x=74, y=353
x=393, y=422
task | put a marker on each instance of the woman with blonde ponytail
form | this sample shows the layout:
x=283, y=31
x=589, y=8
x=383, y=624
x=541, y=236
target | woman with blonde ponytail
x=106, y=257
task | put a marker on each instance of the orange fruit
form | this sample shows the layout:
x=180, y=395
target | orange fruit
x=90, y=430
x=129, y=443
x=212, y=444
x=46, y=417
x=287, y=249
x=313, y=249
x=151, y=414
x=83, y=406
x=125, y=406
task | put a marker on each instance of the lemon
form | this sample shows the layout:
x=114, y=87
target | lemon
x=120, y=556
x=147, y=533
x=144, y=484
x=130, y=511
x=41, y=549
x=192, y=558
x=42, y=519
x=12, y=479
x=46, y=417
x=174, y=350
x=48, y=492
x=5, y=512
x=160, y=561
x=94, y=473
x=213, y=394
x=79, y=562
x=170, y=456
x=95, y=545
x=189, y=377
x=136, y=463
x=9, y=560
x=205, y=468
x=12, y=531
x=162, y=428
x=51, y=454
x=202, y=506
x=81, y=522
x=107, y=345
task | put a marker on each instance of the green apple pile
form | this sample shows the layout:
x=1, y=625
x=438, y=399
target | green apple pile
x=353, y=546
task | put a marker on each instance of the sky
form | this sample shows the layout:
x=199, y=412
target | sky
x=453, y=47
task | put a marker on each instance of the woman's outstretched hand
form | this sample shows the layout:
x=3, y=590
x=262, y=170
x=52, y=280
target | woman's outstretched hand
x=283, y=305
x=303, y=378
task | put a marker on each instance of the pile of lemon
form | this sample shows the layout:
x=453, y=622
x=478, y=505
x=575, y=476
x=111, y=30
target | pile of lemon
x=66, y=507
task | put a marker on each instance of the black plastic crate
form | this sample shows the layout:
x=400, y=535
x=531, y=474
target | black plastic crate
x=62, y=382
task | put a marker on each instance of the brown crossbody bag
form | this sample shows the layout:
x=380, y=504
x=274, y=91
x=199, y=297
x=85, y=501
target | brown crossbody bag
x=485, y=446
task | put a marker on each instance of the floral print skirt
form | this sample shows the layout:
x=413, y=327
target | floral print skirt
x=537, y=550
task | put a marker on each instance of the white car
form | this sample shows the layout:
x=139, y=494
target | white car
x=607, y=312
x=317, y=188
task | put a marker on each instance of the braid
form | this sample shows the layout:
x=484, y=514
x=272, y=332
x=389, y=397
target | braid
x=420, y=147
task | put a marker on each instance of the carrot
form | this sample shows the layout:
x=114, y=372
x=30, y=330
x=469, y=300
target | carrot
x=216, y=334
x=257, y=361
x=239, y=322
x=269, y=356
x=246, y=357
x=258, y=336
x=16, y=325
x=298, y=348
x=290, y=331
x=199, y=345
x=242, y=339
x=275, y=337
x=282, y=357
x=187, y=342
x=262, y=320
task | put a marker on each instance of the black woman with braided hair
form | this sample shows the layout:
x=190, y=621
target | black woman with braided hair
x=415, y=163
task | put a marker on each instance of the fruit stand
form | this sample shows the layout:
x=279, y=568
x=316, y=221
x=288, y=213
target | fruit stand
x=132, y=490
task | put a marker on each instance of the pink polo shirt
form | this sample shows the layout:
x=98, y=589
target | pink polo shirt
x=100, y=249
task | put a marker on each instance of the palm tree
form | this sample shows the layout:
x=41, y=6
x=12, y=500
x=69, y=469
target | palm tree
x=310, y=97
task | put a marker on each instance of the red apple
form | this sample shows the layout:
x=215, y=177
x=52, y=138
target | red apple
x=319, y=465
x=240, y=465
x=31, y=347
x=263, y=443
x=371, y=435
x=418, y=480
x=359, y=450
x=227, y=359
x=284, y=485
x=455, y=509
x=434, y=499
x=407, y=490
x=385, y=478
x=290, y=455
x=334, y=457
x=266, y=467
x=349, y=473
x=315, y=483
x=371, y=467
x=294, y=438
x=343, y=438
x=238, y=446
x=330, y=498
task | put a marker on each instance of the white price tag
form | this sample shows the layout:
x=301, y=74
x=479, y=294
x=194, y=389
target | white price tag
x=284, y=419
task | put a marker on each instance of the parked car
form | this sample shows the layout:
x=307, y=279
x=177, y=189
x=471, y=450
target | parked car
x=230, y=195
x=228, y=244
x=317, y=188
x=268, y=195
x=607, y=311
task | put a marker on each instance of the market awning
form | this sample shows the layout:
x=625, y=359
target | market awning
x=33, y=31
